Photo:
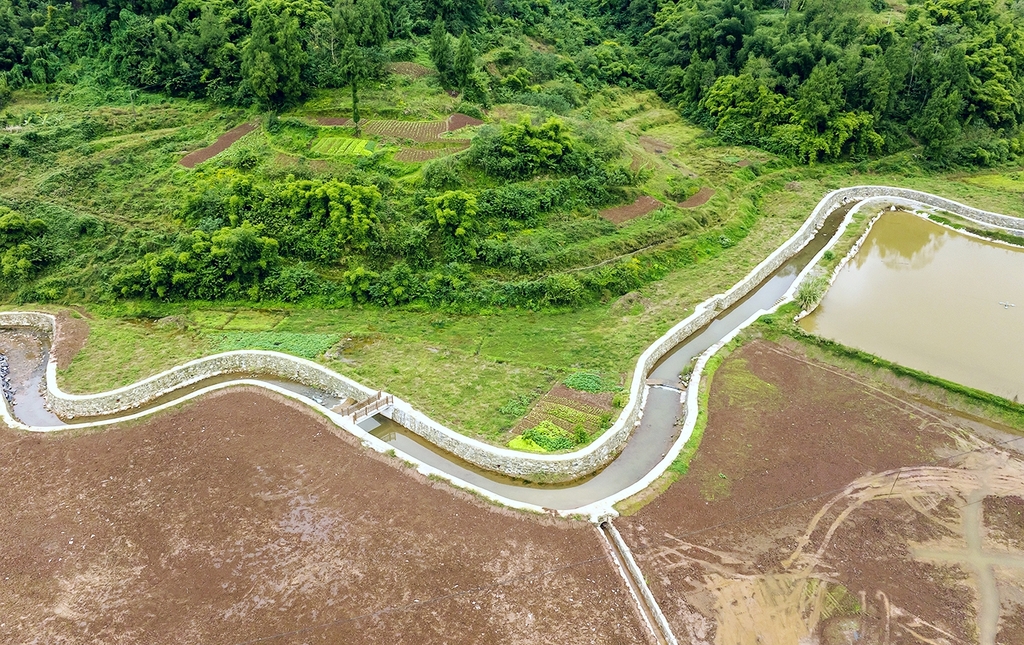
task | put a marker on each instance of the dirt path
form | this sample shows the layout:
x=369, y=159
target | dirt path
x=223, y=142
x=241, y=517
x=819, y=506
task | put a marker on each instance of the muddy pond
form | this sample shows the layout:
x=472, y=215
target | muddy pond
x=932, y=299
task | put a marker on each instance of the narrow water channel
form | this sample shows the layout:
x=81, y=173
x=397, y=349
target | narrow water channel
x=648, y=445
x=932, y=299
x=659, y=427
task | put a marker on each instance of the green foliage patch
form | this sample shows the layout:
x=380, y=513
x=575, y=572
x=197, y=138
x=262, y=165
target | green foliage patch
x=590, y=382
x=306, y=345
x=343, y=146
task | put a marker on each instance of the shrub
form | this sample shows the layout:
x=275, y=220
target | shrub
x=520, y=150
x=549, y=437
x=584, y=382
x=5, y=91
x=811, y=292
x=516, y=406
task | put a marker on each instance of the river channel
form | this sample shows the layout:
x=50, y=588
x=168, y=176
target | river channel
x=933, y=299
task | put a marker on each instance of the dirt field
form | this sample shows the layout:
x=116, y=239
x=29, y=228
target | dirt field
x=241, y=519
x=458, y=121
x=700, y=198
x=822, y=510
x=417, y=131
x=223, y=142
x=643, y=205
x=657, y=146
x=416, y=155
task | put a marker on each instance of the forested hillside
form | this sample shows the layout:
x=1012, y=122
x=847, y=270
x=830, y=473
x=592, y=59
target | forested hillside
x=357, y=186
x=825, y=79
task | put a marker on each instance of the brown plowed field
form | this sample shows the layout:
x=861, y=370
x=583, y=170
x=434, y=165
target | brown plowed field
x=418, y=131
x=700, y=198
x=416, y=155
x=458, y=121
x=643, y=205
x=223, y=142
x=334, y=121
x=242, y=518
x=822, y=509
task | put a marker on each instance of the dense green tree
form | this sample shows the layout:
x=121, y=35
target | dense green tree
x=272, y=56
x=464, y=63
x=939, y=124
x=820, y=98
x=5, y=91
x=441, y=51
x=457, y=15
x=352, y=65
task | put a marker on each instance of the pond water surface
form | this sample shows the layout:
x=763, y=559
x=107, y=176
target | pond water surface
x=932, y=299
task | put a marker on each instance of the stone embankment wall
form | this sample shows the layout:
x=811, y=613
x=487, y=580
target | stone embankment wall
x=552, y=467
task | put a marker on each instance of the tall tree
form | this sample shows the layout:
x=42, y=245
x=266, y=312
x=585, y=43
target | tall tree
x=272, y=57
x=353, y=70
x=456, y=14
x=373, y=24
x=464, y=63
x=441, y=50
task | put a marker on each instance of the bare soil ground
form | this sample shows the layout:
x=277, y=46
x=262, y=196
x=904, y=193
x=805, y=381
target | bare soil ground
x=656, y=146
x=417, y=155
x=822, y=509
x=700, y=198
x=223, y=142
x=417, y=131
x=643, y=205
x=70, y=338
x=458, y=121
x=241, y=518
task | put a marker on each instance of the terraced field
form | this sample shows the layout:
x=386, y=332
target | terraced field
x=417, y=155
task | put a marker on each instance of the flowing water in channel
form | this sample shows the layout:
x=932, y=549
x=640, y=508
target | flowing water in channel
x=932, y=299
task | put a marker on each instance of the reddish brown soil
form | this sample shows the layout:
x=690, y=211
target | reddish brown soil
x=643, y=205
x=223, y=142
x=416, y=155
x=650, y=144
x=458, y=121
x=241, y=517
x=70, y=338
x=784, y=437
x=700, y=198
x=415, y=70
x=333, y=121
x=743, y=163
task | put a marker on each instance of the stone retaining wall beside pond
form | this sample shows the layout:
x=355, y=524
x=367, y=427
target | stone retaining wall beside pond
x=518, y=464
